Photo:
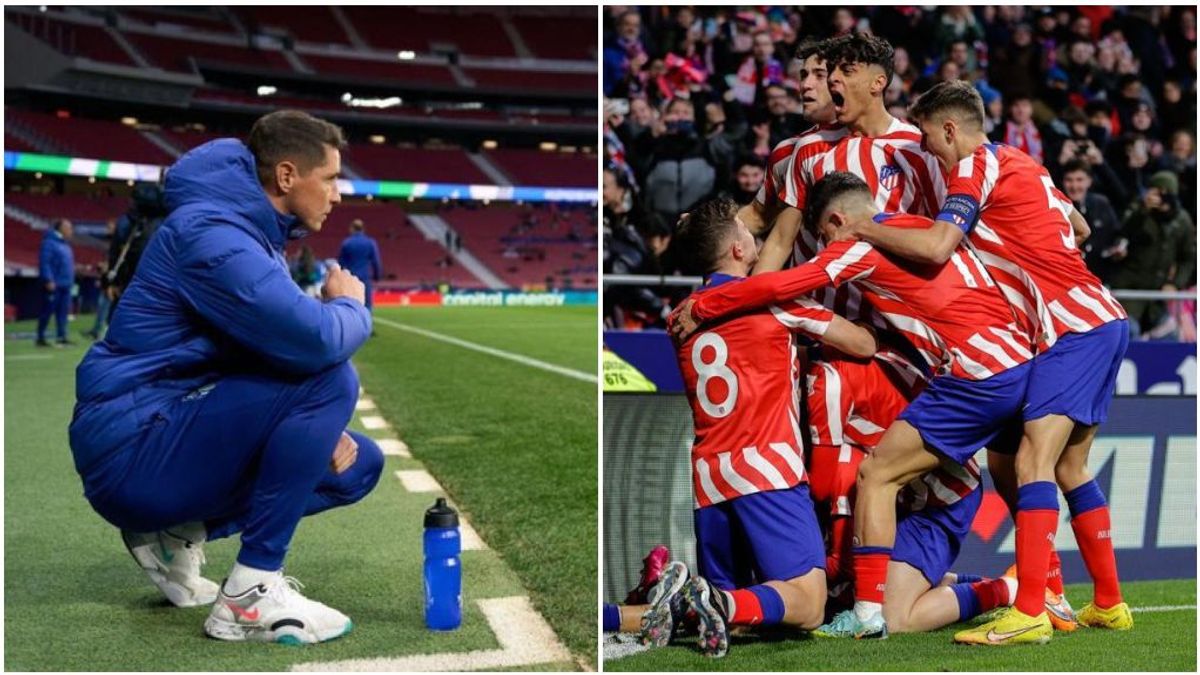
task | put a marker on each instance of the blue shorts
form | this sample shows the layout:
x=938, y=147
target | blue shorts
x=766, y=536
x=1077, y=376
x=957, y=416
x=929, y=540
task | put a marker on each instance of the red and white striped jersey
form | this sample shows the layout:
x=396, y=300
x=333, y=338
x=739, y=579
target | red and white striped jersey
x=1019, y=224
x=851, y=403
x=903, y=178
x=901, y=175
x=780, y=184
x=741, y=379
x=943, y=486
x=953, y=314
x=855, y=400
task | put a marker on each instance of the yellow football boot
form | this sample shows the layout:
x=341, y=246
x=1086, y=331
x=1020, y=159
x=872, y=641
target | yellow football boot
x=1011, y=627
x=1117, y=617
x=1062, y=616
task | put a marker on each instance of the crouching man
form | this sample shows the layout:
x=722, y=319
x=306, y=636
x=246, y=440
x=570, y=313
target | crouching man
x=218, y=401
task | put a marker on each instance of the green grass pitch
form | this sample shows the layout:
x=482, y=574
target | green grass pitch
x=1159, y=641
x=513, y=445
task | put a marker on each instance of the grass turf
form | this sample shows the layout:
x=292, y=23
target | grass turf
x=75, y=601
x=1160, y=641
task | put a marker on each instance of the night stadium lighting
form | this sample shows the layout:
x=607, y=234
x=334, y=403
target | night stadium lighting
x=129, y=121
x=567, y=148
x=548, y=146
x=490, y=145
x=389, y=102
x=266, y=90
x=38, y=175
x=377, y=139
x=347, y=97
x=406, y=55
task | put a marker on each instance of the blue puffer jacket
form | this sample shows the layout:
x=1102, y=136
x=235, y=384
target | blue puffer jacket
x=211, y=296
x=56, y=261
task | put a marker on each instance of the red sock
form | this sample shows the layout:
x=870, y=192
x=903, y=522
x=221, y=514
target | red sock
x=1095, y=545
x=1035, y=536
x=992, y=594
x=870, y=573
x=747, y=610
x=1054, y=579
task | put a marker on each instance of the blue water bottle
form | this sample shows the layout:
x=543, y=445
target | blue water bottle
x=443, y=569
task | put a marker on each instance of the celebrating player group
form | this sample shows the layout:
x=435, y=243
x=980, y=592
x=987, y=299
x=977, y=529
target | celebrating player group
x=944, y=308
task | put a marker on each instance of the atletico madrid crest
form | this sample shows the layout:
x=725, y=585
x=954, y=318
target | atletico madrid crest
x=889, y=175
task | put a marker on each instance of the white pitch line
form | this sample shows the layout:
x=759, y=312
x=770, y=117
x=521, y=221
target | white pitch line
x=364, y=404
x=418, y=481
x=524, y=636
x=28, y=357
x=373, y=422
x=492, y=351
x=1164, y=608
x=394, y=447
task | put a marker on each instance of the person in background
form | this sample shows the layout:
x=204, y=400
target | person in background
x=1162, y=254
x=1020, y=131
x=1104, y=248
x=104, y=299
x=360, y=257
x=748, y=178
x=56, y=273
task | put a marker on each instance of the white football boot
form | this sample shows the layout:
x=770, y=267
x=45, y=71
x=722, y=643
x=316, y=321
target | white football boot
x=172, y=559
x=274, y=611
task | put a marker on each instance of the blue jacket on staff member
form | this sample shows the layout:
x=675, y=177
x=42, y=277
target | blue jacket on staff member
x=218, y=401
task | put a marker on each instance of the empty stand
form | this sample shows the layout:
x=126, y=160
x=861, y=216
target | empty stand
x=94, y=139
x=177, y=53
x=558, y=37
x=423, y=29
x=366, y=69
x=388, y=162
x=312, y=23
x=553, y=169
x=524, y=80
x=73, y=39
x=530, y=246
x=408, y=258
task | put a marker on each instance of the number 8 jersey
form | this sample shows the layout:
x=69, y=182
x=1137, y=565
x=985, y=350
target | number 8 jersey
x=742, y=382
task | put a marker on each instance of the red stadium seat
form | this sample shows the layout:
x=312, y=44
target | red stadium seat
x=93, y=139
x=538, y=168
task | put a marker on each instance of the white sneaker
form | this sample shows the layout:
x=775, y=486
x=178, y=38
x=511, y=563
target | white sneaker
x=274, y=611
x=172, y=559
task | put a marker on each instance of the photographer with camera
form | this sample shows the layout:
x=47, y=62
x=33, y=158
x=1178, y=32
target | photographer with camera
x=1162, y=254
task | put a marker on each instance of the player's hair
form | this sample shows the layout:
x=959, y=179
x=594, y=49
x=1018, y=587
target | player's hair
x=953, y=97
x=830, y=189
x=703, y=232
x=356, y=225
x=291, y=135
x=1077, y=165
x=862, y=48
x=812, y=47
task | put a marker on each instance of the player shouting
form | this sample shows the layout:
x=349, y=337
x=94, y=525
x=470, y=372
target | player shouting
x=1025, y=231
x=958, y=321
x=759, y=548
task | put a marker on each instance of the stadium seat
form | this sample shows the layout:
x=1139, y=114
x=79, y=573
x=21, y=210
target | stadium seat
x=535, y=167
x=95, y=139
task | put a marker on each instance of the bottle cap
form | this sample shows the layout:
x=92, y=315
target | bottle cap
x=441, y=514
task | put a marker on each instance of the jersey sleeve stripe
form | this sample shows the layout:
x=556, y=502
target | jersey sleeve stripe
x=1073, y=322
x=1082, y=298
x=992, y=349
x=760, y=464
x=790, y=457
x=852, y=255
x=705, y=485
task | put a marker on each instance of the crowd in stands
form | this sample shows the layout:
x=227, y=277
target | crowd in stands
x=1104, y=97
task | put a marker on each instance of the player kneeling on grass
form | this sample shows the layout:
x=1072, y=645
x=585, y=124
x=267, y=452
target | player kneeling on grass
x=963, y=327
x=218, y=401
x=758, y=545
x=850, y=404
